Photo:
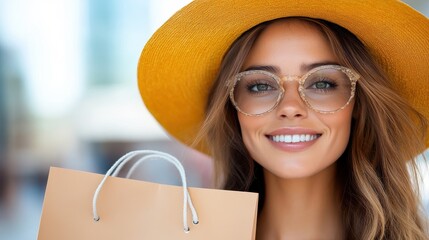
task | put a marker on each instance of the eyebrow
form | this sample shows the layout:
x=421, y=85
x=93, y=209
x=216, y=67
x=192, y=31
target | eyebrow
x=303, y=67
x=308, y=67
x=268, y=68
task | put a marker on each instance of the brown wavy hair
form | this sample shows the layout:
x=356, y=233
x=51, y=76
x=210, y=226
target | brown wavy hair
x=379, y=200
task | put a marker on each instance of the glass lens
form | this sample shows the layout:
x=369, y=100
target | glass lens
x=255, y=92
x=327, y=89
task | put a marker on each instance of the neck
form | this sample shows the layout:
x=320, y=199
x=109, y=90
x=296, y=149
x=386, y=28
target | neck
x=305, y=208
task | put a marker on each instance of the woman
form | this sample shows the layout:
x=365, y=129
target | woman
x=313, y=112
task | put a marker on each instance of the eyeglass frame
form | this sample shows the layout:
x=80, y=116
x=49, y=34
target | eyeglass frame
x=351, y=74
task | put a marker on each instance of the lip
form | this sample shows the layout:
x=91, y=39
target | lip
x=293, y=130
x=293, y=146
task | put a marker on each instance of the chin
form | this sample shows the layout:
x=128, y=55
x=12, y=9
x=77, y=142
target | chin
x=299, y=171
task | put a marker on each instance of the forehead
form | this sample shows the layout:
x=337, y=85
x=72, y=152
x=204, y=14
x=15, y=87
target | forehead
x=290, y=43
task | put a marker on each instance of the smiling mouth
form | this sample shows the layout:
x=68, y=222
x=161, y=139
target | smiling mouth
x=294, y=138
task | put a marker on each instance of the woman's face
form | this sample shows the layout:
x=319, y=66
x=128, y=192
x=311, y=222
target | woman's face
x=290, y=47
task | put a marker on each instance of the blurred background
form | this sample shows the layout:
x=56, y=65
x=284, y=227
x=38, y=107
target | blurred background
x=69, y=98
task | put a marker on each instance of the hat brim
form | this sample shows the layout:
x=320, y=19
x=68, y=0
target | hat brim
x=178, y=65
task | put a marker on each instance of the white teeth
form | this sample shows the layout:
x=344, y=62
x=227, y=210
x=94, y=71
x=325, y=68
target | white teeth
x=295, y=138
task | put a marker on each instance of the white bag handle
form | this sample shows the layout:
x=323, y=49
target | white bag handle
x=117, y=166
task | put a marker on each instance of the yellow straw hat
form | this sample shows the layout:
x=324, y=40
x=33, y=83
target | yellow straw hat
x=179, y=63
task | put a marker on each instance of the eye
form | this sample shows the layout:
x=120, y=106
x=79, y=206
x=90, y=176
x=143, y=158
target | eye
x=260, y=87
x=323, y=84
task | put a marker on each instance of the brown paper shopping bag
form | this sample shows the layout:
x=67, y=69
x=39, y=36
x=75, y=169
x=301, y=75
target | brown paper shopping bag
x=131, y=209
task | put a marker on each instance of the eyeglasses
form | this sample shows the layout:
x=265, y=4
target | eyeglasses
x=324, y=89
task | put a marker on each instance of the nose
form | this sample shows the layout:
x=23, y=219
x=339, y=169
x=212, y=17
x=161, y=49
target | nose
x=291, y=106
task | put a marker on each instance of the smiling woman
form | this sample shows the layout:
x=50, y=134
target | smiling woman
x=303, y=104
x=302, y=183
x=289, y=45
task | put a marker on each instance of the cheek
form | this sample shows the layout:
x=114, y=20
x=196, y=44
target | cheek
x=253, y=138
x=340, y=127
x=250, y=127
x=245, y=127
